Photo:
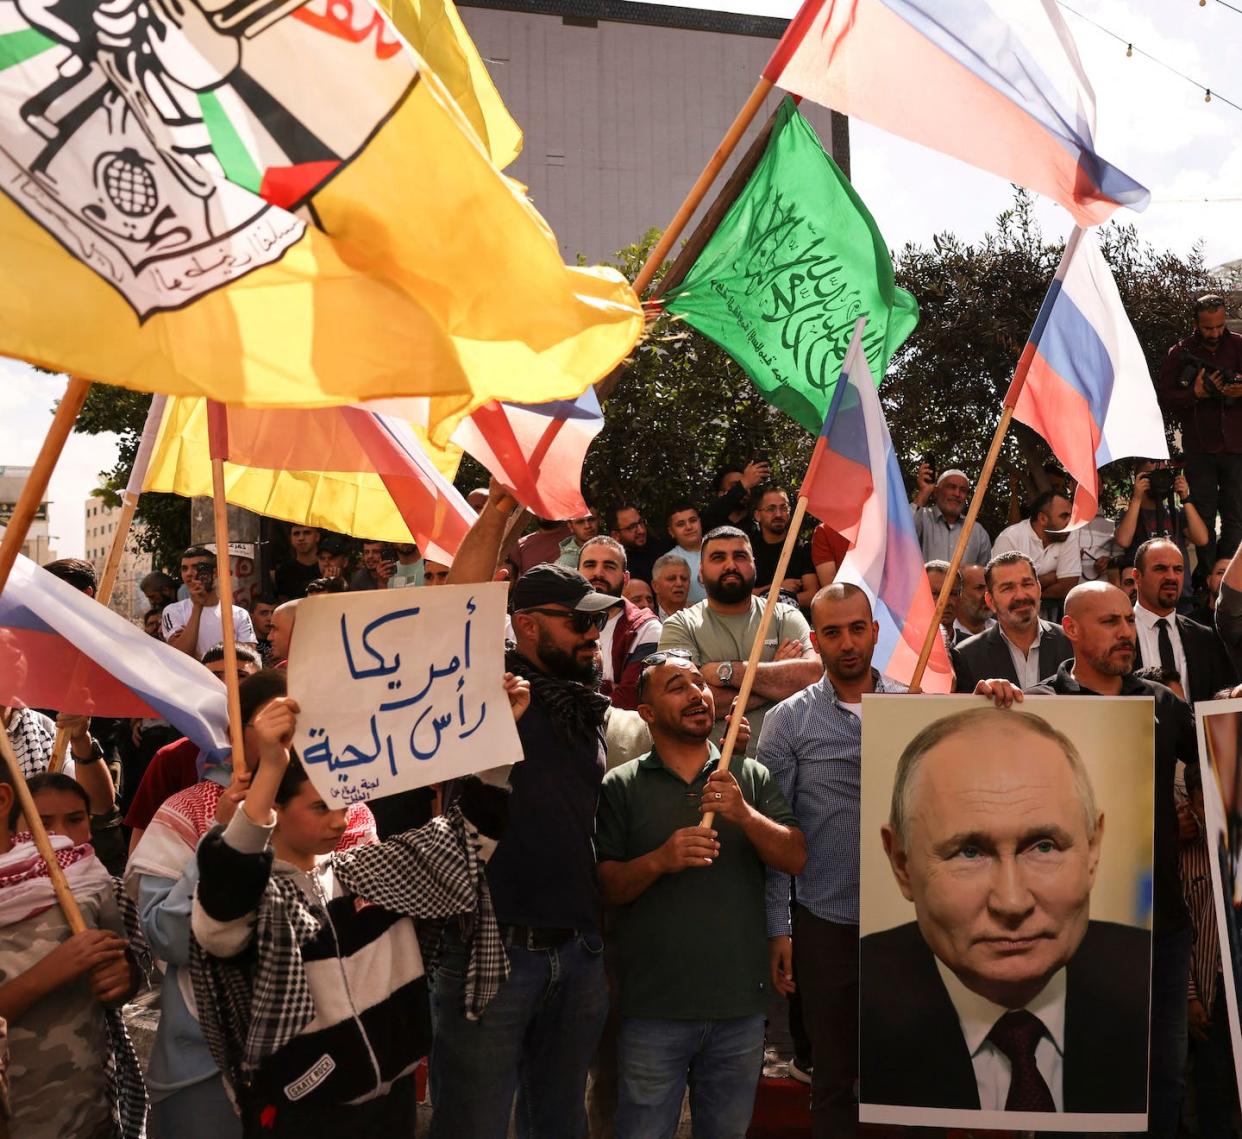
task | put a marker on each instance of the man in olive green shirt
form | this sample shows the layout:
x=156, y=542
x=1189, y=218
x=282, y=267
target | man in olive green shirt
x=691, y=938
x=719, y=631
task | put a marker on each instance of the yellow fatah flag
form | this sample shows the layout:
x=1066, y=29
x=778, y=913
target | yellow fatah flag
x=274, y=205
x=433, y=28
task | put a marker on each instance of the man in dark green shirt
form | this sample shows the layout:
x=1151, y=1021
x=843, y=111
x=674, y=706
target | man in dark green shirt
x=691, y=938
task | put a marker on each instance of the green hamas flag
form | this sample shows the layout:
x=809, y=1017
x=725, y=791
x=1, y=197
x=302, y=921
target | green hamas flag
x=785, y=262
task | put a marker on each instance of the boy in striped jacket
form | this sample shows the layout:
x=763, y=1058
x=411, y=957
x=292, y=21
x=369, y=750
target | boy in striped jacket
x=308, y=964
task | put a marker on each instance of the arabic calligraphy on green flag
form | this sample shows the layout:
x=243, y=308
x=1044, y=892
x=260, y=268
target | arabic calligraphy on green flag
x=795, y=260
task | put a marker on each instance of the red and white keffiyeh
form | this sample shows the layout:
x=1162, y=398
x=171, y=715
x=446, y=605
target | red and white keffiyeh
x=26, y=885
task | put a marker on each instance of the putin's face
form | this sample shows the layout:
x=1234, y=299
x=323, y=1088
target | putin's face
x=996, y=859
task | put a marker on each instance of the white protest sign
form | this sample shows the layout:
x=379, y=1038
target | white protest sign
x=400, y=688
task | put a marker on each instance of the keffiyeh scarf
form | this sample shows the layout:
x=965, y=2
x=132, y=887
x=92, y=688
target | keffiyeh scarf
x=577, y=711
x=251, y=1005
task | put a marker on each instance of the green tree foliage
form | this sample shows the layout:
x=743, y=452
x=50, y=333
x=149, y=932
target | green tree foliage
x=162, y=521
x=944, y=388
x=682, y=409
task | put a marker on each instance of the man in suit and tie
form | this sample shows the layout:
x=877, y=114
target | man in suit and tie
x=1020, y=647
x=1003, y=994
x=1165, y=637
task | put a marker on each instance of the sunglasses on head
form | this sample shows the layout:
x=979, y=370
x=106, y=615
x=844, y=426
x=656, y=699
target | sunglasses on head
x=579, y=620
x=654, y=660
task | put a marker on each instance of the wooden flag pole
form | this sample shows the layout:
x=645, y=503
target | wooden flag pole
x=976, y=502
x=64, y=895
x=217, y=427
x=112, y=567
x=756, y=647
x=41, y=474
x=704, y=183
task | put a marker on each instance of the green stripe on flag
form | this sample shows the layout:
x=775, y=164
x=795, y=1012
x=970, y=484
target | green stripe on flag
x=17, y=47
x=227, y=144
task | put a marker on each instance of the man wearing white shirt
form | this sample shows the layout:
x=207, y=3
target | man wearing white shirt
x=1165, y=637
x=1010, y=997
x=1057, y=559
x=194, y=625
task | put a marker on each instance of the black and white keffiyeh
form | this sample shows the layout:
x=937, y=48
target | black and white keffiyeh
x=126, y=1088
x=33, y=737
x=251, y=1005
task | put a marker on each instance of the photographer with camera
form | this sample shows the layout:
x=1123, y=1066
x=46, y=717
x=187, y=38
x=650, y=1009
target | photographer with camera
x=1200, y=387
x=194, y=625
x=1154, y=512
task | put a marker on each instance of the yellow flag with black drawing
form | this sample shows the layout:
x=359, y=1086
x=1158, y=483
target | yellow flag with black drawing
x=274, y=204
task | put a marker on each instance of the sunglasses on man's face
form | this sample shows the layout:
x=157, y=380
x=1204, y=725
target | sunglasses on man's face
x=578, y=620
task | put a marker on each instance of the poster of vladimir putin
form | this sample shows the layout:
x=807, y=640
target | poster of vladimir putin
x=1005, y=954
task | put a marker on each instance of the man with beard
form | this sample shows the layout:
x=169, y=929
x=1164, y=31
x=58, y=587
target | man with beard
x=812, y=745
x=719, y=631
x=1205, y=614
x=692, y=962
x=627, y=525
x=973, y=613
x=630, y=634
x=772, y=524
x=1199, y=389
x=539, y=1032
x=1099, y=623
x=1165, y=637
x=1020, y=647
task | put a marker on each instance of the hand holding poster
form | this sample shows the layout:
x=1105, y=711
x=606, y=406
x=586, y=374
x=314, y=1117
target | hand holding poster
x=400, y=688
x=1006, y=868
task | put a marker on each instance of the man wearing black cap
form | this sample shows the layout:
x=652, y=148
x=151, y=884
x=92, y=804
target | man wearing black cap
x=539, y=1033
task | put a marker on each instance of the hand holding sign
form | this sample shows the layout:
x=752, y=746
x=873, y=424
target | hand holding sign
x=402, y=688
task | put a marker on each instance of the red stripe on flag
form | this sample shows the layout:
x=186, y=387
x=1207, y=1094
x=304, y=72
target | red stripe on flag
x=43, y=670
x=836, y=489
x=217, y=430
x=1059, y=412
x=795, y=33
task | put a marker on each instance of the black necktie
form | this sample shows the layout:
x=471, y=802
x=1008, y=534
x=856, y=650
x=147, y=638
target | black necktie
x=1016, y=1034
x=1167, y=659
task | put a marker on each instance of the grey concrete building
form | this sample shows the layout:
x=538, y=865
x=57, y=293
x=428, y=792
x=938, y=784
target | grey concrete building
x=622, y=104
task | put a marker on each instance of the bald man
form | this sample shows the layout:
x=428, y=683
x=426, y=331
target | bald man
x=1099, y=622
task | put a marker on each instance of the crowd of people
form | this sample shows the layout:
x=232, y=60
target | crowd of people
x=578, y=940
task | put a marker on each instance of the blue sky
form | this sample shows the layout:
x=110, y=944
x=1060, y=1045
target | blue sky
x=1152, y=125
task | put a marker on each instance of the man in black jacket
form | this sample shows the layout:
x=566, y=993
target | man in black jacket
x=1099, y=622
x=1020, y=647
x=1165, y=637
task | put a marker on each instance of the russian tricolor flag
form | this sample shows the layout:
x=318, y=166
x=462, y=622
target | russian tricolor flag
x=536, y=449
x=996, y=83
x=854, y=484
x=62, y=649
x=1082, y=380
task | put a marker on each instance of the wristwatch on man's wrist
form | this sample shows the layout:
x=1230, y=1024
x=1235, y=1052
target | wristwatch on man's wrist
x=93, y=756
x=724, y=673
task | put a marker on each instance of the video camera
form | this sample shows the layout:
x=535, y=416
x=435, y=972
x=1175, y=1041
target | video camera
x=1189, y=366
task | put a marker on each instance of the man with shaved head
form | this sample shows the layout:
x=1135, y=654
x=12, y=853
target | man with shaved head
x=1099, y=622
x=812, y=745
